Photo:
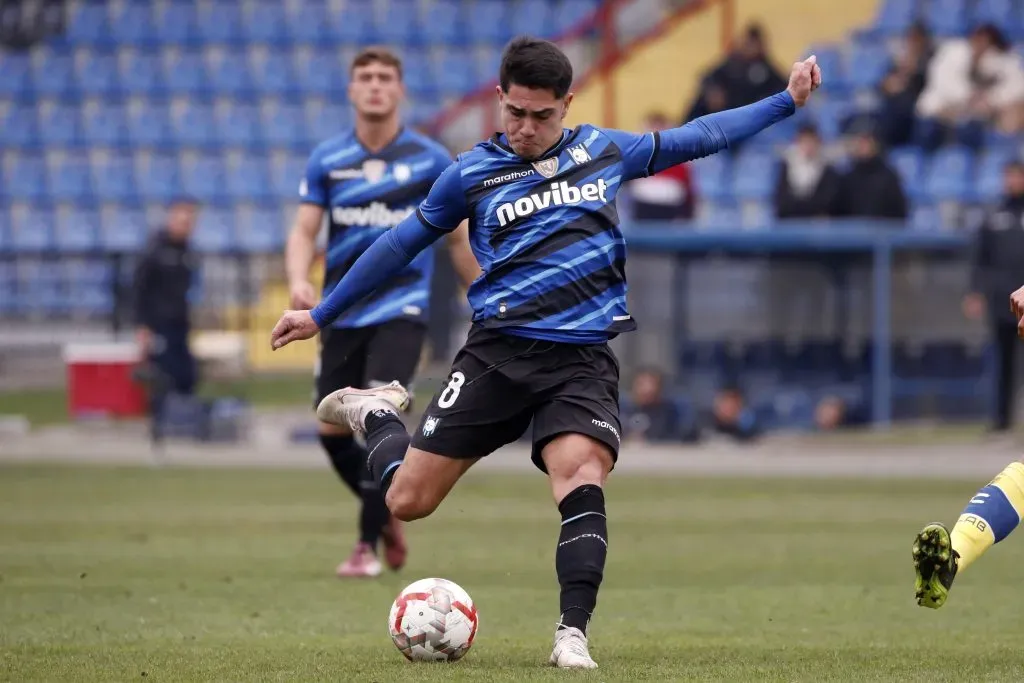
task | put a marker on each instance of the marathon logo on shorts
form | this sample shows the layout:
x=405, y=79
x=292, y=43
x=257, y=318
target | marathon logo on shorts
x=611, y=428
x=514, y=175
x=429, y=425
x=559, y=194
x=376, y=215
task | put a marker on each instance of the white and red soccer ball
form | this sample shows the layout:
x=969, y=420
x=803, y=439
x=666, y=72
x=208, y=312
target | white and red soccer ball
x=433, y=620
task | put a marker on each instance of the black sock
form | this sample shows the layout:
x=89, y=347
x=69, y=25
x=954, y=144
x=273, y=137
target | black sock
x=388, y=441
x=374, y=514
x=347, y=457
x=581, y=552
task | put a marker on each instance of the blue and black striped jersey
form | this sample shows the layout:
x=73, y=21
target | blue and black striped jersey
x=364, y=194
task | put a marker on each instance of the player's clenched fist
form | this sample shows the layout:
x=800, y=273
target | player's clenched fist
x=1017, y=306
x=804, y=78
x=293, y=326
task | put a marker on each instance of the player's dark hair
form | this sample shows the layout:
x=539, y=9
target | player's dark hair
x=536, y=64
x=376, y=54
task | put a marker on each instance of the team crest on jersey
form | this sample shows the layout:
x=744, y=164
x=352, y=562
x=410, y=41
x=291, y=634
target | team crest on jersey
x=374, y=169
x=402, y=172
x=429, y=425
x=547, y=167
x=579, y=154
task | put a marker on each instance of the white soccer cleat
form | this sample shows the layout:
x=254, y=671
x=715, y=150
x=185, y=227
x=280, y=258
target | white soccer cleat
x=571, y=650
x=349, y=407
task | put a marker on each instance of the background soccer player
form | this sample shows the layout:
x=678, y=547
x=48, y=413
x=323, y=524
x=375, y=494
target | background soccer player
x=940, y=553
x=367, y=179
x=541, y=199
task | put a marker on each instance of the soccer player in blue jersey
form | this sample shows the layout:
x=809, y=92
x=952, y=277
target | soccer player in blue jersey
x=540, y=200
x=366, y=180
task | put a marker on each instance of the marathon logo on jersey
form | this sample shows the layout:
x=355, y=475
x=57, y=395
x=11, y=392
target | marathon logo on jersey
x=605, y=425
x=514, y=175
x=559, y=194
x=376, y=215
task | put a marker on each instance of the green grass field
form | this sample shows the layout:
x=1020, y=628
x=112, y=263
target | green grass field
x=186, y=575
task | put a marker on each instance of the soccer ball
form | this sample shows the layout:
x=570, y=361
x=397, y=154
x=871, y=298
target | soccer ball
x=433, y=620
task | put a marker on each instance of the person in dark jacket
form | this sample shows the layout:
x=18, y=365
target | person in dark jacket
x=806, y=185
x=871, y=188
x=163, y=278
x=997, y=257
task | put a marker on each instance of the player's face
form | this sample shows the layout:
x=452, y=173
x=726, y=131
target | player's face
x=532, y=119
x=375, y=90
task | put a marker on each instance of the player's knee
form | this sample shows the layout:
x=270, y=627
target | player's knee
x=407, y=504
x=575, y=460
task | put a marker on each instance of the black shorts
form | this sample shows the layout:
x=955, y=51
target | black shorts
x=368, y=356
x=499, y=383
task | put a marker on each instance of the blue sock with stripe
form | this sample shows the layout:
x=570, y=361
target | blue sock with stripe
x=581, y=553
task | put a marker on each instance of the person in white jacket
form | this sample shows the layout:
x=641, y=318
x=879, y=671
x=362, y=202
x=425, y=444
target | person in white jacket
x=972, y=83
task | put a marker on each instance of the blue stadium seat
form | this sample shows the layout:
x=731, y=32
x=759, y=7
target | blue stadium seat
x=307, y=24
x=159, y=177
x=104, y=125
x=59, y=125
x=260, y=230
x=488, y=64
x=247, y=180
x=319, y=72
x=220, y=22
x=909, y=164
x=355, y=23
x=97, y=75
x=570, y=13
x=32, y=229
x=829, y=115
x=177, y=24
x=713, y=176
x=456, y=74
x=399, y=24
x=185, y=73
x=533, y=17
x=418, y=72
x=113, y=177
x=265, y=23
x=272, y=70
x=946, y=177
x=15, y=75
x=141, y=73
x=286, y=172
x=88, y=25
x=238, y=125
x=988, y=175
x=283, y=125
x=71, y=179
x=123, y=229
x=422, y=111
x=25, y=178
x=40, y=289
x=490, y=21
x=867, y=63
x=131, y=23
x=925, y=218
x=324, y=121
x=946, y=17
x=204, y=177
x=830, y=59
x=895, y=16
x=229, y=74
x=53, y=74
x=18, y=127
x=215, y=231
x=77, y=229
x=88, y=285
x=148, y=125
x=443, y=22
x=754, y=176
x=1006, y=14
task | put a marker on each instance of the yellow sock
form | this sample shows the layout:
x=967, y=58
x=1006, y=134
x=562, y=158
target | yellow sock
x=992, y=514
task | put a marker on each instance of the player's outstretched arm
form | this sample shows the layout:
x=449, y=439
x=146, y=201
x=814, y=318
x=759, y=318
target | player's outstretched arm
x=715, y=132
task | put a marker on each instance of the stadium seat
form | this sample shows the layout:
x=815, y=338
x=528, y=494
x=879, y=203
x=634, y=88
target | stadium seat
x=59, y=125
x=159, y=177
x=89, y=287
x=283, y=125
x=895, y=16
x=177, y=24
x=988, y=178
x=1006, y=14
x=40, y=289
x=70, y=178
x=113, y=177
x=204, y=177
x=131, y=23
x=306, y=24
x=87, y=25
x=77, y=229
x=184, y=73
x=754, y=176
x=867, y=63
x=260, y=230
x=946, y=177
x=443, y=22
x=237, y=124
x=421, y=111
x=571, y=13
x=264, y=23
x=533, y=17
x=829, y=115
x=220, y=23
x=229, y=73
x=141, y=73
x=319, y=72
x=420, y=80
x=946, y=17
x=53, y=74
x=399, y=24
x=830, y=59
x=97, y=75
x=123, y=229
x=148, y=125
x=18, y=127
x=247, y=179
x=713, y=176
x=909, y=164
x=490, y=21
x=104, y=124
x=15, y=75
x=488, y=64
x=355, y=23
x=215, y=231
x=925, y=218
x=32, y=229
x=286, y=172
x=325, y=121
x=272, y=71
x=25, y=178
x=456, y=74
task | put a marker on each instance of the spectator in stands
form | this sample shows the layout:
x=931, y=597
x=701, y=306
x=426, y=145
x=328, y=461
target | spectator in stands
x=972, y=83
x=648, y=416
x=832, y=413
x=902, y=86
x=666, y=195
x=997, y=258
x=163, y=279
x=731, y=416
x=807, y=185
x=871, y=188
x=743, y=77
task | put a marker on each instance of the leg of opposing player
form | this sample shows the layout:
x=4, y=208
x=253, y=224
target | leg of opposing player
x=940, y=554
x=578, y=467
